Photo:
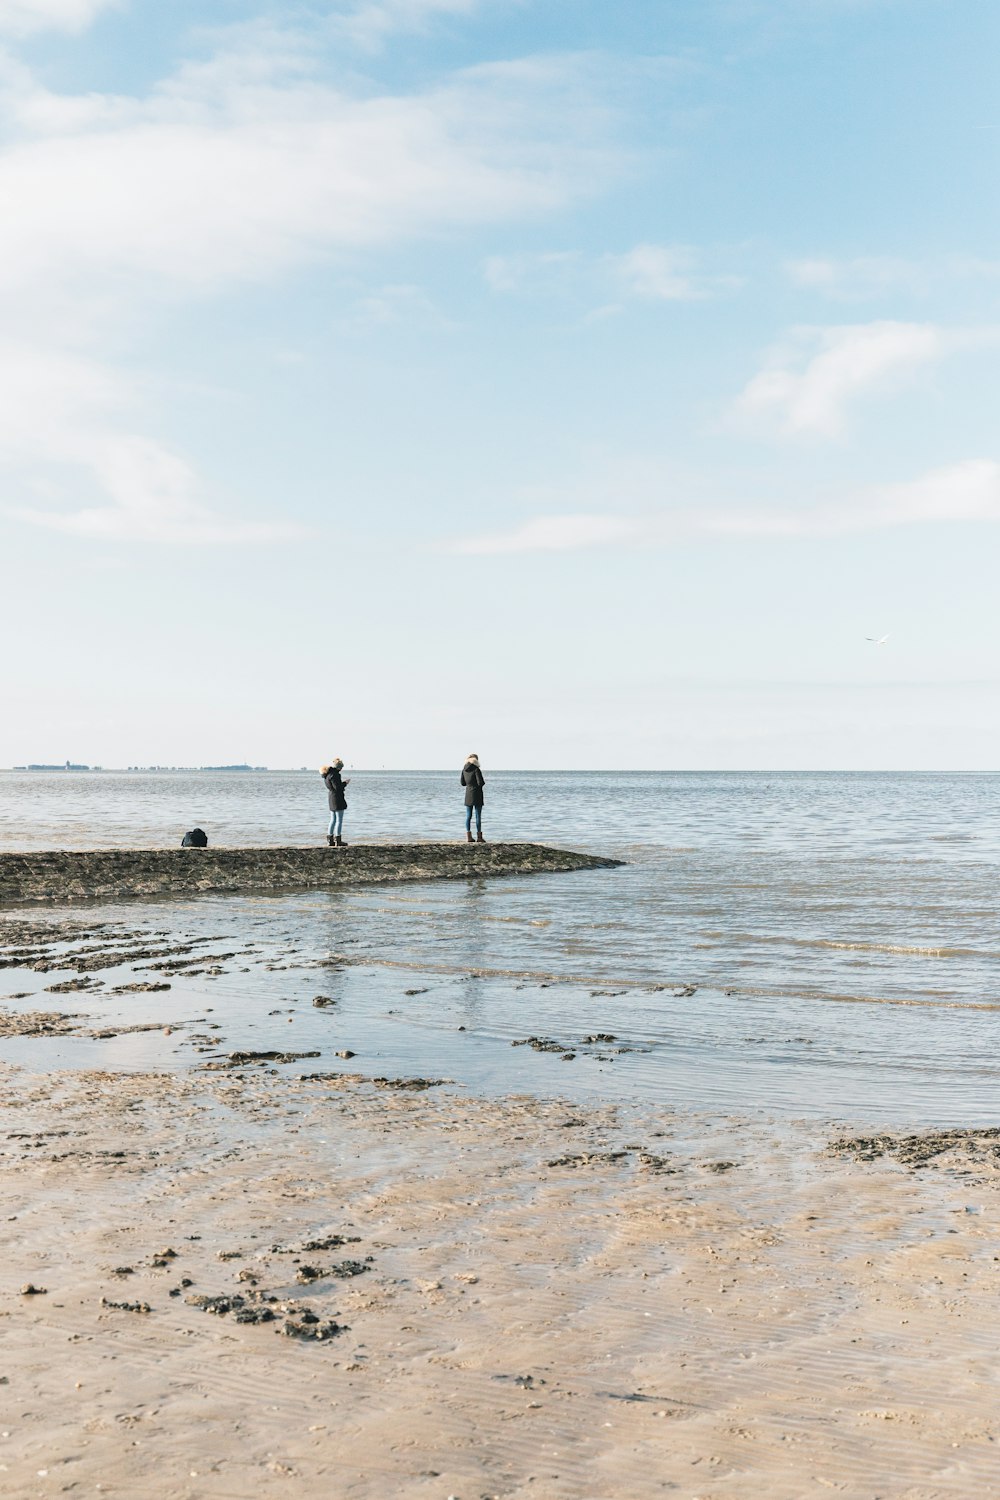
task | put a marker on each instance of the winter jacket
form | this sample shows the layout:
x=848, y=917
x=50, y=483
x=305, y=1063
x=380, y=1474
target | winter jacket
x=336, y=801
x=473, y=780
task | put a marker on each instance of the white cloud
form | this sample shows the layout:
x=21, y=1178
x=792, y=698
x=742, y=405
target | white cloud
x=541, y=271
x=968, y=491
x=23, y=16
x=237, y=169
x=808, y=386
x=371, y=22
x=225, y=172
x=397, y=304
x=152, y=493
x=866, y=276
x=553, y=534
x=65, y=432
x=964, y=492
x=860, y=277
x=658, y=272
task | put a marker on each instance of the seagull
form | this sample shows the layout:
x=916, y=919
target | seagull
x=877, y=640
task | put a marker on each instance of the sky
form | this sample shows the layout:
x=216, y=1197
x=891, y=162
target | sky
x=577, y=383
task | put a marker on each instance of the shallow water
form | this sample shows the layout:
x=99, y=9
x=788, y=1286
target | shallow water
x=840, y=932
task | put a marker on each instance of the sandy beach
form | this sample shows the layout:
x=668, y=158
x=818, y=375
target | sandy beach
x=240, y=1259
x=433, y=1295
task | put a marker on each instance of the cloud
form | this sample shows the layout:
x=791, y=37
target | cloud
x=547, y=270
x=152, y=493
x=657, y=272
x=65, y=426
x=371, y=22
x=396, y=305
x=964, y=492
x=244, y=168
x=858, y=278
x=862, y=277
x=968, y=491
x=233, y=170
x=552, y=534
x=23, y=16
x=808, y=386
x=647, y=272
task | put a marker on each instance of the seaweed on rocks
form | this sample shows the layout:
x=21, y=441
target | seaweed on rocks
x=132, y=1307
x=921, y=1150
x=308, y=1326
x=107, y=1032
x=259, y=1314
x=588, y=1159
x=220, y=1305
x=415, y=1085
x=248, y=1059
x=659, y=1165
x=36, y=1023
x=343, y=1270
x=309, y=1247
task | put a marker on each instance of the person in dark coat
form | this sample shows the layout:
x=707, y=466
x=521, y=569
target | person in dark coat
x=336, y=800
x=473, y=780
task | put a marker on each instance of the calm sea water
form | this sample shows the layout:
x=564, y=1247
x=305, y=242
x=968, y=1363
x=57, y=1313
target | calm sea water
x=840, y=931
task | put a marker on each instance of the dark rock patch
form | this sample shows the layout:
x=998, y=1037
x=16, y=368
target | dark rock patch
x=69, y=875
x=248, y=1059
x=308, y=1326
x=588, y=1159
x=416, y=1085
x=917, y=1151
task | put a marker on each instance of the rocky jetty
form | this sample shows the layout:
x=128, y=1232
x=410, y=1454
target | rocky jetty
x=55, y=875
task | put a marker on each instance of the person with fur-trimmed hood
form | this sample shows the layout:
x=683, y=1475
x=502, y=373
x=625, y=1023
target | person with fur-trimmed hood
x=473, y=780
x=336, y=801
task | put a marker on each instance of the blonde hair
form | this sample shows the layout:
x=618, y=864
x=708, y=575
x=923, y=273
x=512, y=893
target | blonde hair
x=335, y=762
x=473, y=757
x=323, y=770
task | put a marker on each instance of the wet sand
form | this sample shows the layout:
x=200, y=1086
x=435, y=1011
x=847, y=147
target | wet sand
x=246, y=1280
x=514, y=1298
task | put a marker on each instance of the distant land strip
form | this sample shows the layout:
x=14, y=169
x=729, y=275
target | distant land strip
x=57, y=875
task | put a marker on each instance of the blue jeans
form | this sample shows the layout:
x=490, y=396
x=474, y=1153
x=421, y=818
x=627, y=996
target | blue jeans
x=479, y=818
x=336, y=823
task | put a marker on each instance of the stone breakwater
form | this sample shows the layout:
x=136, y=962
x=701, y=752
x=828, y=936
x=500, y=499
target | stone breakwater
x=55, y=875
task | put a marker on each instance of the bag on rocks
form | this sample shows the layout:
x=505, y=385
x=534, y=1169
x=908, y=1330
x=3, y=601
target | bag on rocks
x=196, y=839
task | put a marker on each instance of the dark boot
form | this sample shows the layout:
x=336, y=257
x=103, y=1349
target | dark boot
x=479, y=836
x=329, y=839
x=340, y=842
x=468, y=835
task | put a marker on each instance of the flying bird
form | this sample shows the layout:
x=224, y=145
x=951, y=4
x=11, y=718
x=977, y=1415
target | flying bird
x=877, y=640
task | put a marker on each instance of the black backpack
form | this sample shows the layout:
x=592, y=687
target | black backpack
x=196, y=839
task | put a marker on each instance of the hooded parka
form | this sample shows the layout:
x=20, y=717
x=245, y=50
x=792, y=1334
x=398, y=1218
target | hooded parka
x=336, y=800
x=473, y=780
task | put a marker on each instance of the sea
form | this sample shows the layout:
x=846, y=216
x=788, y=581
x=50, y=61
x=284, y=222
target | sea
x=804, y=945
